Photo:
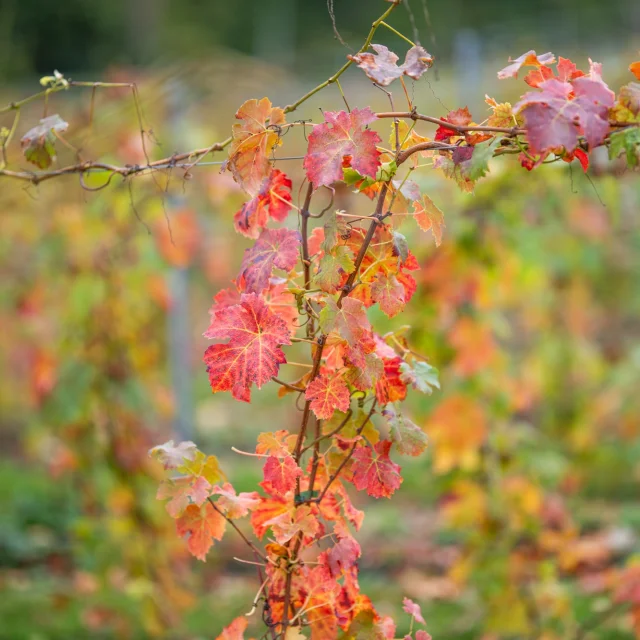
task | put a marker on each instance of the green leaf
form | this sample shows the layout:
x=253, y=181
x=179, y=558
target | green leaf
x=421, y=375
x=332, y=266
x=626, y=141
x=408, y=437
x=478, y=165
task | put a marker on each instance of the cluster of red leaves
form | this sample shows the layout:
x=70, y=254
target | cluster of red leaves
x=358, y=378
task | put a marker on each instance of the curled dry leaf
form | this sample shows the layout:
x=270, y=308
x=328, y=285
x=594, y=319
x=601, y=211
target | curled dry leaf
x=38, y=143
x=382, y=67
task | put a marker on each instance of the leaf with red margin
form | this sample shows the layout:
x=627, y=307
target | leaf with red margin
x=235, y=506
x=201, y=526
x=413, y=609
x=274, y=248
x=279, y=299
x=342, y=135
x=389, y=293
x=460, y=117
x=429, y=217
x=528, y=59
x=183, y=492
x=381, y=66
x=253, y=140
x=281, y=473
x=351, y=324
x=253, y=353
x=560, y=113
x=342, y=556
x=374, y=471
x=328, y=394
x=235, y=630
x=381, y=258
x=273, y=199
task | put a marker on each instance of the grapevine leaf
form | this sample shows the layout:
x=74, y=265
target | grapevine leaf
x=459, y=117
x=421, y=376
x=528, y=59
x=201, y=525
x=408, y=437
x=477, y=165
x=374, y=471
x=627, y=108
x=428, y=216
x=626, y=141
x=172, y=456
x=183, y=492
x=400, y=246
x=281, y=473
x=342, y=556
x=413, y=609
x=332, y=267
x=273, y=248
x=235, y=506
x=382, y=67
x=389, y=293
x=342, y=135
x=502, y=114
x=273, y=199
x=253, y=139
x=235, y=630
x=38, y=143
x=253, y=353
x=328, y=394
x=563, y=111
x=274, y=443
x=350, y=322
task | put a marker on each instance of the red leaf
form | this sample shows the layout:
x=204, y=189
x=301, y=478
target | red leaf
x=234, y=631
x=459, y=117
x=327, y=395
x=201, y=525
x=377, y=474
x=281, y=473
x=253, y=353
x=342, y=556
x=273, y=194
x=342, y=134
x=274, y=248
x=529, y=59
x=253, y=140
x=412, y=609
x=562, y=111
x=235, y=506
x=389, y=293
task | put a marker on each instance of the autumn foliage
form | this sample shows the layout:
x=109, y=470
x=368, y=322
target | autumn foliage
x=307, y=283
x=353, y=430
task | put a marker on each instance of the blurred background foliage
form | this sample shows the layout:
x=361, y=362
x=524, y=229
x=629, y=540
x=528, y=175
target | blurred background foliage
x=523, y=520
